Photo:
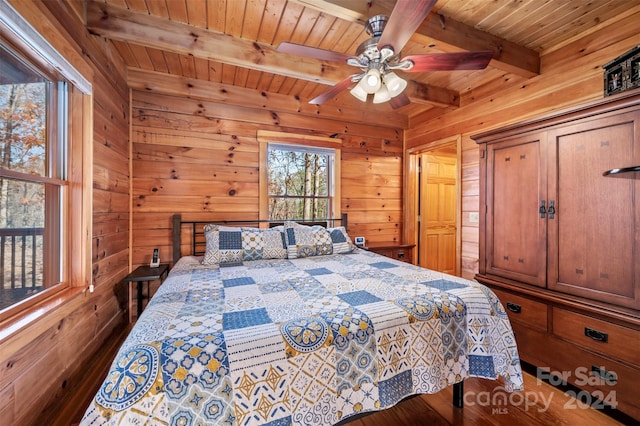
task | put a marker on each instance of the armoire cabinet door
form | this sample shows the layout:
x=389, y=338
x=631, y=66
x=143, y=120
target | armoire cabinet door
x=515, y=228
x=593, y=241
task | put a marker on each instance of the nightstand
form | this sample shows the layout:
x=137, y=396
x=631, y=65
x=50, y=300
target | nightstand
x=401, y=252
x=144, y=274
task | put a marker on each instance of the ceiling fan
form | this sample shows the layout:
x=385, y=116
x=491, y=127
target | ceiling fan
x=379, y=56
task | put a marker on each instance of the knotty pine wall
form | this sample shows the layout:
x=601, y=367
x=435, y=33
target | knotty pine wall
x=46, y=357
x=200, y=158
x=571, y=75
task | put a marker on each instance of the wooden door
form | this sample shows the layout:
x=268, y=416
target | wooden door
x=515, y=230
x=594, y=248
x=438, y=192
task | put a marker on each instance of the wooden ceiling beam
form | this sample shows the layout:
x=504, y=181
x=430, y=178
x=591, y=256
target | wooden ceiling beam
x=443, y=33
x=122, y=24
x=451, y=35
x=437, y=96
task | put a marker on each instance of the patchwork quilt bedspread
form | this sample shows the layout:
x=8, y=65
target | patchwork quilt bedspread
x=307, y=341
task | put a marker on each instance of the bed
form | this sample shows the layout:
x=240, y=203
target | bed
x=295, y=325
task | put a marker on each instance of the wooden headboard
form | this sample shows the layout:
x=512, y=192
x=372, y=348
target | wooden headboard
x=191, y=230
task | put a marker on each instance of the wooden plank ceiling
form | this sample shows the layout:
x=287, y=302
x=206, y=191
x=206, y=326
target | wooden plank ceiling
x=226, y=49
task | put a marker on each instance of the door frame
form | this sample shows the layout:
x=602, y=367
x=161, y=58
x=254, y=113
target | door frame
x=411, y=193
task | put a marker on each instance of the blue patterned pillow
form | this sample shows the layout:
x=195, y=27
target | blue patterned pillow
x=226, y=244
x=252, y=244
x=223, y=244
x=305, y=241
x=341, y=240
x=260, y=243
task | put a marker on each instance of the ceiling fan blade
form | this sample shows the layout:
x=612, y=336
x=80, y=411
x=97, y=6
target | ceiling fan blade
x=333, y=91
x=406, y=17
x=450, y=61
x=313, y=52
x=399, y=101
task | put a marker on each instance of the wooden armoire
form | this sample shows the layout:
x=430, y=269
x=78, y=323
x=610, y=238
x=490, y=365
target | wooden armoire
x=560, y=243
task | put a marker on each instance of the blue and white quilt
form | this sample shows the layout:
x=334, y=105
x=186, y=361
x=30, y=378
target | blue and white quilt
x=304, y=341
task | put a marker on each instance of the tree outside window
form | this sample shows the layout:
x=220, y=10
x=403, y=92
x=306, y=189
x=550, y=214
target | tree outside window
x=300, y=181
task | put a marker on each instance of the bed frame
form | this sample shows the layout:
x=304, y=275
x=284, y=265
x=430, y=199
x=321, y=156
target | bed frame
x=193, y=230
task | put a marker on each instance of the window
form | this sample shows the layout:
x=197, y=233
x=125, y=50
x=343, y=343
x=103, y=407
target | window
x=45, y=169
x=32, y=178
x=301, y=179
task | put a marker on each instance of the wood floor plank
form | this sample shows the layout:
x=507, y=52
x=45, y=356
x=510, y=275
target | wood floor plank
x=69, y=410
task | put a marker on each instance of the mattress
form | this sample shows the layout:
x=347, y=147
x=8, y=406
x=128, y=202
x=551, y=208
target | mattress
x=300, y=341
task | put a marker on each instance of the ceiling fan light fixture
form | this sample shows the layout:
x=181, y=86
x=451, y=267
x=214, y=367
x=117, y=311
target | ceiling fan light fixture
x=395, y=85
x=359, y=93
x=382, y=95
x=371, y=81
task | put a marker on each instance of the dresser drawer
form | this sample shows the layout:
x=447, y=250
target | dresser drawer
x=399, y=252
x=524, y=311
x=600, y=336
x=612, y=382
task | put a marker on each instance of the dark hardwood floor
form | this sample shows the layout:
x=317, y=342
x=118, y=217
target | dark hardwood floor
x=486, y=403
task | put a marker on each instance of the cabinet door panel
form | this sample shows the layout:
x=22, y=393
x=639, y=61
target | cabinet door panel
x=515, y=231
x=592, y=239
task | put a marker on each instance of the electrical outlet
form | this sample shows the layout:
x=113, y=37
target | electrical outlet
x=474, y=217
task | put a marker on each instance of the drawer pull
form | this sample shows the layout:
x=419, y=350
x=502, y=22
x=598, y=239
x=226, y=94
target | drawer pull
x=400, y=255
x=596, y=335
x=514, y=307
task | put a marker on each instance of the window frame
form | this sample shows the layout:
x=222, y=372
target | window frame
x=75, y=194
x=266, y=137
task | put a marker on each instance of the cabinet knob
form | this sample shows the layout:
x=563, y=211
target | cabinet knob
x=542, y=209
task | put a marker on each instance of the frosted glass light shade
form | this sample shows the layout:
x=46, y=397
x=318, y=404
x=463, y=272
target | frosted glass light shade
x=371, y=82
x=359, y=93
x=382, y=95
x=395, y=85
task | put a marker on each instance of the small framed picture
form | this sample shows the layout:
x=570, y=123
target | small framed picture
x=614, y=80
x=359, y=241
x=635, y=70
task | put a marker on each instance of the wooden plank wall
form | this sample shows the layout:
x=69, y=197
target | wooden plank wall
x=570, y=75
x=199, y=156
x=39, y=365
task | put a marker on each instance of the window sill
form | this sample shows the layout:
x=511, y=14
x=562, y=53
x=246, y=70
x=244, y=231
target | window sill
x=18, y=330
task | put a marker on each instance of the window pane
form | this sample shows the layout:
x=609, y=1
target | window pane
x=297, y=173
x=294, y=208
x=22, y=219
x=299, y=183
x=23, y=116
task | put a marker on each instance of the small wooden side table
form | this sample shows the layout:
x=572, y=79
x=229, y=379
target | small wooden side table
x=396, y=251
x=141, y=275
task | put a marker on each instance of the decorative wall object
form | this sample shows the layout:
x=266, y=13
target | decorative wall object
x=622, y=73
